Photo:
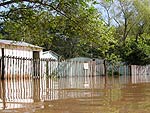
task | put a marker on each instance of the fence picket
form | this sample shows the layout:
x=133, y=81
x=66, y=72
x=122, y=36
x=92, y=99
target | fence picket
x=25, y=67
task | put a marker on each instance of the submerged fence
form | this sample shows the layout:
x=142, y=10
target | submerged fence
x=140, y=73
x=15, y=67
x=141, y=70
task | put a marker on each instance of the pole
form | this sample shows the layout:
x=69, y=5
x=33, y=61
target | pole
x=36, y=64
x=3, y=66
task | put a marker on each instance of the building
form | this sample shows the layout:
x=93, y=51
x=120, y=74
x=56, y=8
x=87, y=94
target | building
x=81, y=66
x=22, y=59
x=50, y=54
x=18, y=49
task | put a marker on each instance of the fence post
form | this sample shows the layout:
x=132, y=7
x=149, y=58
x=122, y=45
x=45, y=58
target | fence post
x=36, y=90
x=130, y=70
x=93, y=68
x=3, y=93
x=105, y=68
x=2, y=64
x=36, y=64
x=47, y=68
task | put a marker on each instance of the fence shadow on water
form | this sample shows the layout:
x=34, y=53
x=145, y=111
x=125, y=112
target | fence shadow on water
x=16, y=93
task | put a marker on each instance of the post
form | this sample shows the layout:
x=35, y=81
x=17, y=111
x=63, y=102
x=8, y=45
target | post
x=93, y=68
x=105, y=68
x=47, y=68
x=3, y=92
x=36, y=64
x=58, y=66
x=36, y=90
x=3, y=66
x=1, y=88
x=105, y=73
x=86, y=67
x=130, y=70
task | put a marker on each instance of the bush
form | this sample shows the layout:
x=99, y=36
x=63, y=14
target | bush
x=115, y=73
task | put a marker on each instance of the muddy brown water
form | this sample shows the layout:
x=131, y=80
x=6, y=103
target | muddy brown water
x=76, y=95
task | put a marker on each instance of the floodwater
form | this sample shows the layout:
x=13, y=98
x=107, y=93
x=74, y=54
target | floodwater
x=76, y=95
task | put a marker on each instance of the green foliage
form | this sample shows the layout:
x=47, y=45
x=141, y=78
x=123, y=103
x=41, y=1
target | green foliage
x=84, y=35
x=131, y=21
x=135, y=53
x=53, y=75
x=75, y=28
x=30, y=26
x=1, y=36
x=114, y=73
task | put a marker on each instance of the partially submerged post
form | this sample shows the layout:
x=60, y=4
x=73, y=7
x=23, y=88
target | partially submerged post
x=36, y=90
x=3, y=93
x=47, y=68
x=105, y=73
x=105, y=68
x=2, y=65
x=93, y=67
x=86, y=67
x=36, y=64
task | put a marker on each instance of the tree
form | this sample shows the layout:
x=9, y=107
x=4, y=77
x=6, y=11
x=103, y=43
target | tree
x=131, y=20
x=83, y=38
x=70, y=35
x=30, y=26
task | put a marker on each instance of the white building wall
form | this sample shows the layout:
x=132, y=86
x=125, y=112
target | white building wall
x=18, y=67
x=18, y=53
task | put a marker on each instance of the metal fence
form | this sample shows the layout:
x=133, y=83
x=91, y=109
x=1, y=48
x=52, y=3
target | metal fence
x=20, y=67
x=140, y=73
x=140, y=70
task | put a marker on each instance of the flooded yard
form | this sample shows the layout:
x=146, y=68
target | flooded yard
x=125, y=94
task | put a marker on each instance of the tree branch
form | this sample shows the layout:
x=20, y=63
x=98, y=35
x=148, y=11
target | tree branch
x=32, y=1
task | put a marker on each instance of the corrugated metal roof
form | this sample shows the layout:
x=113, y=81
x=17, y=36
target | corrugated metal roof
x=50, y=54
x=18, y=43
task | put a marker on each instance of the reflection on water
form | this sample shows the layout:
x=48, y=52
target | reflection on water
x=75, y=95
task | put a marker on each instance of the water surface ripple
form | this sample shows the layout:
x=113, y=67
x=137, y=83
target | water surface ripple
x=75, y=95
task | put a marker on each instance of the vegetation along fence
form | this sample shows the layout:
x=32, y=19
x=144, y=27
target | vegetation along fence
x=15, y=67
